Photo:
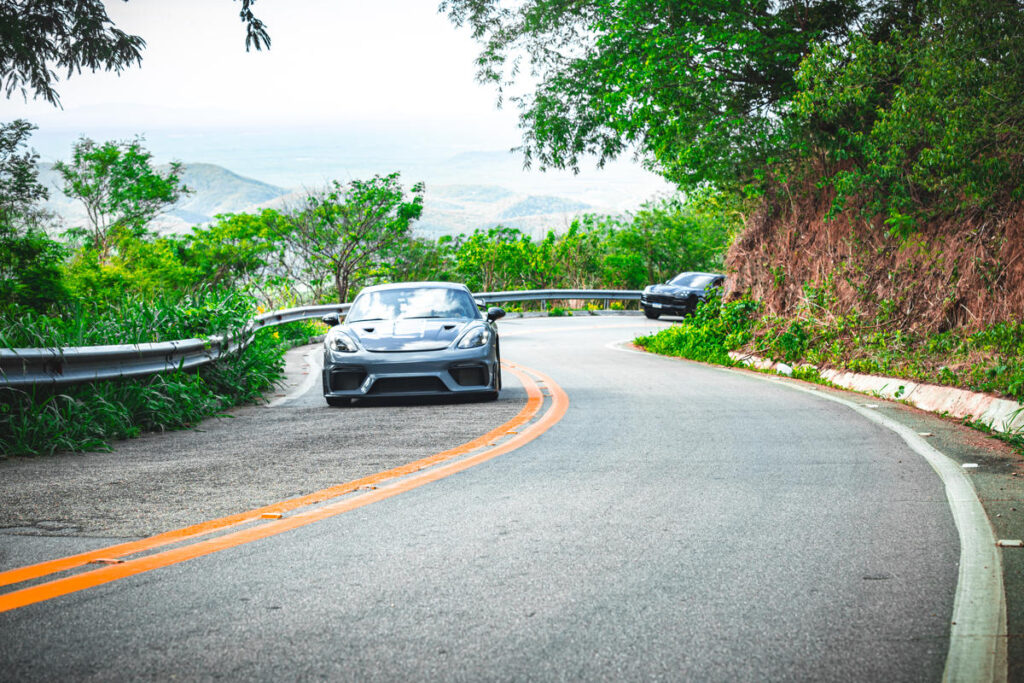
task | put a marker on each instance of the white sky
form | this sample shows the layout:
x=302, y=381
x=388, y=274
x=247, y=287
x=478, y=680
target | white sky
x=330, y=60
x=394, y=74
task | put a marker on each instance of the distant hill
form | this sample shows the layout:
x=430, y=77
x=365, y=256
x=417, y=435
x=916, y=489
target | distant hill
x=214, y=190
x=540, y=206
x=218, y=190
x=448, y=208
x=472, y=193
x=476, y=158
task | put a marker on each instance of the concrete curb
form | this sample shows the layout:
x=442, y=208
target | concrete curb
x=999, y=414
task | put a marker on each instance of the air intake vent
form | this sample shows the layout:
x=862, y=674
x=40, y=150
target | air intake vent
x=408, y=385
x=347, y=380
x=469, y=377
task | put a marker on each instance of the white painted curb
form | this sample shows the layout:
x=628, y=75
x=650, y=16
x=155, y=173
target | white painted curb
x=977, y=636
x=999, y=414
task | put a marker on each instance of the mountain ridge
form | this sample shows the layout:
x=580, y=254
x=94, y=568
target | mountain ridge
x=448, y=208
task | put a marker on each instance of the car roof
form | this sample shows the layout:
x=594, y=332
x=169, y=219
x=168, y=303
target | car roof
x=413, y=285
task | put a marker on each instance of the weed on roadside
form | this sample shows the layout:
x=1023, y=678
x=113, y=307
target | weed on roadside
x=1014, y=439
x=88, y=417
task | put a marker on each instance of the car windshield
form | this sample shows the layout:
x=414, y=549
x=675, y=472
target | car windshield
x=692, y=280
x=414, y=302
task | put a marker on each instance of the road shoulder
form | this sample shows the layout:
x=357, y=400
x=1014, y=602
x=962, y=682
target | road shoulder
x=251, y=457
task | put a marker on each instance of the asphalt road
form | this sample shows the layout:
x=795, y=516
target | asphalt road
x=680, y=522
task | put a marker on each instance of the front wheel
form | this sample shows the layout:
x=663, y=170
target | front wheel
x=651, y=313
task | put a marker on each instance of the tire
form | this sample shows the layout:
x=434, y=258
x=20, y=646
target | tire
x=336, y=402
x=651, y=313
x=497, y=379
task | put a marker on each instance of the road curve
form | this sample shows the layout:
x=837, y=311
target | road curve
x=679, y=522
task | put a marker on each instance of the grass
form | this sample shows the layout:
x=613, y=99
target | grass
x=127, y=320
x=89, y=417
x=1014, y=439
x=708, y=335
x=990, y=360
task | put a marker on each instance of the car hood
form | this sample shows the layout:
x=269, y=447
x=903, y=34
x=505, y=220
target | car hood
x=674, y=290
x=414, y=334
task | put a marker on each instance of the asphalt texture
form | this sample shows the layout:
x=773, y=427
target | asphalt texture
x=252, y=457
x=681, y=522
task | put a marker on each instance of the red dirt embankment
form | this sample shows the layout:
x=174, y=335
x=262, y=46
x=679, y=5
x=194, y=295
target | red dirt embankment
x=957, y=272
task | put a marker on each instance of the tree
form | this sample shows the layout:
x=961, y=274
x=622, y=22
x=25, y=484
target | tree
x=699, y=87
x=497, y=259
x=342, y=232
x=119, y=188
x=573, y=258
x=244, y=251
x=929, y=121
x=20, y=188
x=668, y=236
x=421, y=259
x=30, y=262
x=38, y=35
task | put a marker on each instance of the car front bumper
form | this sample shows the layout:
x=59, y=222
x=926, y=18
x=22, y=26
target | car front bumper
x=669, y=306
x=447, y=372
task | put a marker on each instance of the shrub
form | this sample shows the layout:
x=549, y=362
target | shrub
x=708, y=335
x=87, y=417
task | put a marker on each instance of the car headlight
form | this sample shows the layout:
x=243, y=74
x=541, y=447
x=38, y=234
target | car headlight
x=339, y=341
x=477, y=336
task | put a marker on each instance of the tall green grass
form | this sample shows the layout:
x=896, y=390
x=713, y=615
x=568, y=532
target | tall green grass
x=990, y=360
x=131, y=319
x=91, y=416
x=708, y=335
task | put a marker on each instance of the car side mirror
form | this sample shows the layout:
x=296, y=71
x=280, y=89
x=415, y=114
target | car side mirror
x=331, y=319
x=494, y=313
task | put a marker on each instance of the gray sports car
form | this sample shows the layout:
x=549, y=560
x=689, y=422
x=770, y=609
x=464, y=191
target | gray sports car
x=412, y=339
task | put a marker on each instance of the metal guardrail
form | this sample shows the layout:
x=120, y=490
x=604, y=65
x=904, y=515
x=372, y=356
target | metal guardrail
x=79, y=364
x=550, y=294
x=291, y=315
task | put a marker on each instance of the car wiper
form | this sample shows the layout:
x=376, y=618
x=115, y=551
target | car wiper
x=422, y=317
x=366, y=320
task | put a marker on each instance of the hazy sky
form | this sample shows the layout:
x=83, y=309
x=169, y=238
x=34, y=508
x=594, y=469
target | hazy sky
x=349, y=87
x=331, y=60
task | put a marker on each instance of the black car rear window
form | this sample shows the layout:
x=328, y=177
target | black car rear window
x=414, y=302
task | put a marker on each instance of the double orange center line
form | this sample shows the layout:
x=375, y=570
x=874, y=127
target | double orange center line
x=219, y=534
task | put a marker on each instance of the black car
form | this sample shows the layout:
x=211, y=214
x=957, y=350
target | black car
x=679, y=296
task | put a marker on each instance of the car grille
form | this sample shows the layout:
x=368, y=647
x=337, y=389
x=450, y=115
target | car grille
x=469, y=377
x=347, y=380
x=408, y=385
x=664, y=299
